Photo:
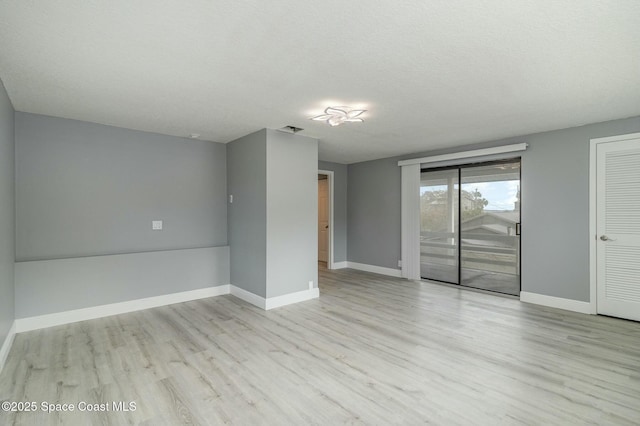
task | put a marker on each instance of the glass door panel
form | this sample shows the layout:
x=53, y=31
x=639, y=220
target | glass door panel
x=489, y=222
x=439, y=225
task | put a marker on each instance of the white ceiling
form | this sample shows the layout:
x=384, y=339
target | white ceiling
x=431, y=73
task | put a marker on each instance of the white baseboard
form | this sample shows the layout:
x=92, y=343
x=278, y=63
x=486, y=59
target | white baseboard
x=274, y=302
x=6, y=346
x=375, y=269
x=556, y=302
x=248, y=297
x=291, y=298
x=60, y=318
x=340, y=265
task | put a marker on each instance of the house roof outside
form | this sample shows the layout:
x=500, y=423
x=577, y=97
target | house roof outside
x=498, y=223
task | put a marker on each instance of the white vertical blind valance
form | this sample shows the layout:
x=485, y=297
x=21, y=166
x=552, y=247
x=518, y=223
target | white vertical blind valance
x=466, y=154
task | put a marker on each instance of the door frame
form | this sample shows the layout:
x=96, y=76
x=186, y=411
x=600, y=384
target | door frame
x=593, y=206
x=329, y=174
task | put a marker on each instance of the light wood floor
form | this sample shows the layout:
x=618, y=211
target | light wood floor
x=371, y=350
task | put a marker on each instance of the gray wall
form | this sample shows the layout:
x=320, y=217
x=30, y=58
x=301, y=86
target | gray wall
x=84, y=282
x=339, y=208
x=555, y=208
x=292, y=213
x=86, y=189
x=373, y=213
x=246, y=177
x=273, y=218
x=6, y=215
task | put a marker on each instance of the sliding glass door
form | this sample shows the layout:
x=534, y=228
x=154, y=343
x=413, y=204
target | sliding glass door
x=439, y=258
x=490, y=222
x=470, y=226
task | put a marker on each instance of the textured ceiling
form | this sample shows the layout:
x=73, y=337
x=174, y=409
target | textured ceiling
x=431, y=73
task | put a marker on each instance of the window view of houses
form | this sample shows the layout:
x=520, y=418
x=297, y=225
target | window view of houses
x=469, y=231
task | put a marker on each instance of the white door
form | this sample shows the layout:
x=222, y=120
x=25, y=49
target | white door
x=618, y=228
x=323, y=220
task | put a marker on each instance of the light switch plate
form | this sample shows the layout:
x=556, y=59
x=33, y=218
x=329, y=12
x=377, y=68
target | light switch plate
x=156, y=225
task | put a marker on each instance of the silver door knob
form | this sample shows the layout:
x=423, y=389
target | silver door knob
x=604, y=238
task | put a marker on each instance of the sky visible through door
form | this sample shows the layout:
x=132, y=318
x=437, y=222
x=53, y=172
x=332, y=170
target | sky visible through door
x=501, y=195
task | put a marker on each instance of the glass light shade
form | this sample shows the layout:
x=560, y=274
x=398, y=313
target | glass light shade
x=335, y=116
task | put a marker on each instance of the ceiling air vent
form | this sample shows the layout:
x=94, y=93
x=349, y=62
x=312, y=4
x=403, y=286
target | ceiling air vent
x=290, y=129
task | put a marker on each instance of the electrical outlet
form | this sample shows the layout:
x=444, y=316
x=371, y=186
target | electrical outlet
x=156, y=225
x=399, y=263
x=310, y=285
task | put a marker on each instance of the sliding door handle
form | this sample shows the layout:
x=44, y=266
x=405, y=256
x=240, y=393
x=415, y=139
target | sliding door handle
x=518, y=228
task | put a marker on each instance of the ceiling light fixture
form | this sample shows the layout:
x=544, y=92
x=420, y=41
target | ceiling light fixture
x=335, y=116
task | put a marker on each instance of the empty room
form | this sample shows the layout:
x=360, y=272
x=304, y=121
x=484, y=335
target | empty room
x=290, y=213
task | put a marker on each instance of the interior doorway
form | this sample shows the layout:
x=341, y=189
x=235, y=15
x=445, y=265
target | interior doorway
x=470, y=225
x=615, y=225
x=325, y=218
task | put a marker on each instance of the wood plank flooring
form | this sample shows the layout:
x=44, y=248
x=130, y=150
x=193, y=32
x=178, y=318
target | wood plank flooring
x=372, y=350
